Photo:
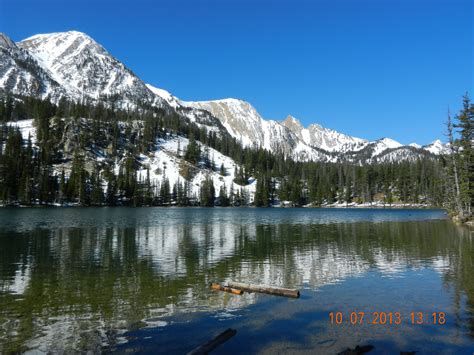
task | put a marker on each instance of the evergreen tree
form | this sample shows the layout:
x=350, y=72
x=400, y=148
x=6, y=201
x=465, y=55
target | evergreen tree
x=207, y=192
x=97, y=193
x=262, y=193
x=223, y=198
x=193, y=151
x=465, y=126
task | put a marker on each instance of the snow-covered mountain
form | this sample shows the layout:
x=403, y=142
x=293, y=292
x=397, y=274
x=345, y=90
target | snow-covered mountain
x=86, y=70
x=71, y=64
x=289, y=136
x=21, y=74
x=244, y=123
x=437, y=147
x=315, y=142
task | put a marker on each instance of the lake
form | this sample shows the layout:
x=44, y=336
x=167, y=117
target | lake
x=137, y=279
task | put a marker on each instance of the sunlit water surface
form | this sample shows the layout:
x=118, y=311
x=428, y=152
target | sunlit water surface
x=125, y=279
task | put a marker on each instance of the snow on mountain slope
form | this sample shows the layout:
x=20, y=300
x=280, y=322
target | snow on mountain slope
x=26, y=127
x=304, y=144
x=165, y=95
x=383, y=144
x=244, y=123
x=167, y=161
x=437, y=148
x=21, y=74
x=80, y=64
x=278, y=138
x=402, y=153
x=384, y=150
x=240, y=119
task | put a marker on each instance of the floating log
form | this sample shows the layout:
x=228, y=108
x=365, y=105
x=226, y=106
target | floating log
x=214, y=343
x=218, y=287
x=358, y=350
x=278, y=291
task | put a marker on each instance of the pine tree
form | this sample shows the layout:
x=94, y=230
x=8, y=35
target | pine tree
x=193, y=151
x=111, y=194
x=262, y=195
x=223, y=198
x=97, y=193
x=165, y=191
x=207, y=192
x=464, y=155
x=77, y=180
x=147, y=189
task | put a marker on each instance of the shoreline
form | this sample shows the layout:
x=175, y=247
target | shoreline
x=331, y=206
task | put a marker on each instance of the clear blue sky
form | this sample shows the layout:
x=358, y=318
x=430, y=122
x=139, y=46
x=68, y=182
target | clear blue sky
x=366, y=68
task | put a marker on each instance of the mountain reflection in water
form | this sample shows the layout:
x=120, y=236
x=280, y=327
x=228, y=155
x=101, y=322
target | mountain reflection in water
x=95, y=279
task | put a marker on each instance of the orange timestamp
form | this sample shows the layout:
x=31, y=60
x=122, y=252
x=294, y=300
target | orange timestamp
x=387, y=318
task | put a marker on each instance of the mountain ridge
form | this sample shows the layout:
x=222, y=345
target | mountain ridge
x=83, y=66
x=75, y=66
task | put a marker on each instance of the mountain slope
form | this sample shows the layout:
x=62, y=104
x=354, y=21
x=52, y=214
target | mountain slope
x=240, y=119
x=324, y=138
x=437, y=148
x=244, y=123
x=82, y=66
x=22, y=74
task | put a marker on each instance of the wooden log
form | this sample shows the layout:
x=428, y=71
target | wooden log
x=278, y=291
x=218, y=287
x=214, y=343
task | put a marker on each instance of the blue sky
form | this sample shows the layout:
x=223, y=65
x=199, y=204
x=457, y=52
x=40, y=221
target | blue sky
x=369, y=68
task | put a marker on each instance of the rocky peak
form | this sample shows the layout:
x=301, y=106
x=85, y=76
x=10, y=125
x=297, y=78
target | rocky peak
x=291, y=122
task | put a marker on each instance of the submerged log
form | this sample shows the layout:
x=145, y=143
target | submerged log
x=278, y=291
x=214, y=343
x=218, y=287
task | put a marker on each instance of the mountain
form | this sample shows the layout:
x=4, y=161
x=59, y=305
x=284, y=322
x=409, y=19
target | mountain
x=86, y=70
x=72, y=65
x=324, y=138
x=437, y=148
x=290, y=137
x=244, y=123
x=22, y=74
x=315, y=142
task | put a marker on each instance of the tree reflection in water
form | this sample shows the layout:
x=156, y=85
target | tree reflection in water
x=82, y=287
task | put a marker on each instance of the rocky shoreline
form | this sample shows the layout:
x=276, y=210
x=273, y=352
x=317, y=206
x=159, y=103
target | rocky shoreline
x=462, y=220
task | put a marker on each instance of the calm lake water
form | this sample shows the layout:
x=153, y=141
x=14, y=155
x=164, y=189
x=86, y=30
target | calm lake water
x=136, y=279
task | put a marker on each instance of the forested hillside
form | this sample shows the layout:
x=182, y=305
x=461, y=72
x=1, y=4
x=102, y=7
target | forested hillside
x=84, y=154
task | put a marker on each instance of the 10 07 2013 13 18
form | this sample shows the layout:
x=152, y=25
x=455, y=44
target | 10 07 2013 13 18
x=387, y=318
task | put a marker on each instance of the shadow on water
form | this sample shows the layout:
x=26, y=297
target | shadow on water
x=137, y=279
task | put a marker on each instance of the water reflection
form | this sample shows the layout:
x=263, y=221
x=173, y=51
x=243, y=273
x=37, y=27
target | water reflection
x=82, y=286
